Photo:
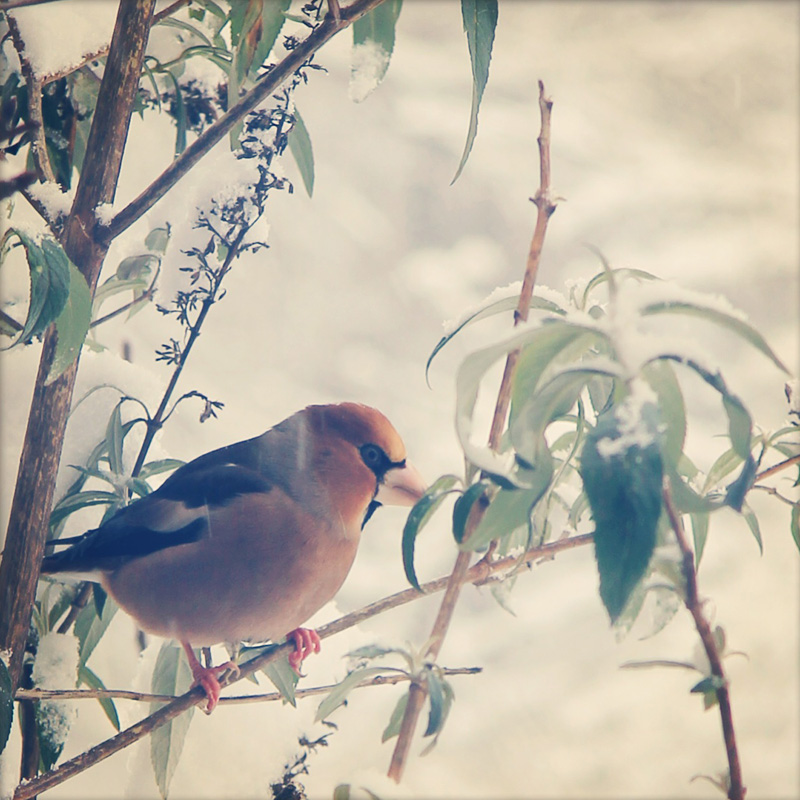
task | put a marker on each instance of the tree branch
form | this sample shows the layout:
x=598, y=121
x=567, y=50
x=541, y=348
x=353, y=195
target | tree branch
x=479, y=572
x=736, y=788
x=545, y=209
x=219, y=129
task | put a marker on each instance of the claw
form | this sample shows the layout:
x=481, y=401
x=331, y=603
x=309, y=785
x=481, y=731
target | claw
x=306, y=641
x=207, y=676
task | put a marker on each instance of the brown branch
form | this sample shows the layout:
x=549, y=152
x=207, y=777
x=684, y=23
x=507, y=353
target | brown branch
x=736, y=788
x=231, y=700
x=545, y=209
x=220, y=128
x=41, y=160
x=103, y=750
x=777, y=467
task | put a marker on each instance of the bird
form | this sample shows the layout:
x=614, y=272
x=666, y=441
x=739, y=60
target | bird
x=246, y=542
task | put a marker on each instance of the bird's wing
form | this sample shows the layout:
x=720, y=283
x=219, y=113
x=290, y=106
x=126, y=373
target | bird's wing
x=175, y=514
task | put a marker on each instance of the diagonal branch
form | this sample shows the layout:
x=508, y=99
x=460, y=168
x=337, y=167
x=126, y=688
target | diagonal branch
x=736, y=788
x=476, y=574
x=545, y=209
x=219, y=129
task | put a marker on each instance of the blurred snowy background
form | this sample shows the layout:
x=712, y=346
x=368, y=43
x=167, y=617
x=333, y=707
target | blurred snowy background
x=675, y=148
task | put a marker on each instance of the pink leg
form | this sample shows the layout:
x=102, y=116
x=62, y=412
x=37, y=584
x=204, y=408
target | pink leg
x=207, y=676
x=306, y=642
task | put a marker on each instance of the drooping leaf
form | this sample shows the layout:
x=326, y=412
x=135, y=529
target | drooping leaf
x=661, y=377
x=172, y=676
x=70, y=504
x=272, y=18
x=480, y=21
x=463, y=506
x=283, y=678
x=699, y=535
x=721, y=318
x=794, y=525
x=114, y=437
x=87, y=677
x=90, y=626
x=6, y=705
x=736, y=491
x=159, y=466
x=505, y=304
x=302, y=152
x=609, y=274
x=72, y=324
x=418, y=517
x=373, y=45
x=392, y=729
x=157, y=240
x=339, y=693
x=621, y=468
x=752, y=522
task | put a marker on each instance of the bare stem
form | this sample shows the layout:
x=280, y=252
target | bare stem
x=736, y=789
x=781, y=465
x=545, y=209
x=476, y=574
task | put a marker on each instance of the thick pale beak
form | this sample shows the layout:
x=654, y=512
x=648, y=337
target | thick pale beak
x=402, y=486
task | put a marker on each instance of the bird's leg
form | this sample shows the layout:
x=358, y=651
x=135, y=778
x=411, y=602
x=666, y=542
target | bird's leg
x=306, y=641
x=207, y=676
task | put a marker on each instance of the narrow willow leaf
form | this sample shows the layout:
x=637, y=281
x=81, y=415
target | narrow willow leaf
x=392, y=729
x=622, y=471
x=463, y=506
x=115, y=439
x=72, y=324
x=795, y=525
x=6, y=705
x=723, y=466
x=157, y=240
x=732, y=323
x=736, y=491
x=418, y=517
x=159, y=466
x=661, y=377
x=373, y=45
x=610, y=274
x=740, y=426
x=339, y=693
x=272, y=18
x=436, y=700
x=480, y=21
x=302, y=152
x=505, y=304
x=171, y=676
x=88, y=678
x=69, y=505
x=283, y=678
x=699, y=534
x=91, y=625
x=752, y=522
x=48, y=268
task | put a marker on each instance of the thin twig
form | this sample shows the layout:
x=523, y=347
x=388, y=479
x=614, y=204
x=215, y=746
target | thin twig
x=736, y=789
x=146, y=295
x=545, y=209
x=194, y=696
x=781, y=465
x=231, y=700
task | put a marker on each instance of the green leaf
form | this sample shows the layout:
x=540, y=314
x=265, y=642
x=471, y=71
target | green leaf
x=272, y=18
x=159, y=466
x=91, y=625
x=375, y=31
x=72, y=324
x=724, y=465
x=396, y=720
x=736, y=491
x=283, y=678
x=480, y=21
x=172, y=676
x=418, y=517
x=49, y=281
x=505, y=304
x=339, y=693
x=721, y=318
x=6, y=705
x=157, y=240
x=752, y=522
x=115, y=439
x=740, y=426
x=609, y=274
x=463, y=506
x=622, y=476
x=87, y=677
x=699, y=534
x=302, y=152
x=661, y=377
x=53, y=721
x=794, y=525
x=72, y=503
x=436, y=699
x=509, y=511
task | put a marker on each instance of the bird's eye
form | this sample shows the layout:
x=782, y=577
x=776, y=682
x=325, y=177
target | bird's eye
x=373, y=456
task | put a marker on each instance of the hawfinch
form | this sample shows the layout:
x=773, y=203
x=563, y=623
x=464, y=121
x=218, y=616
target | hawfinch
x=247, y=542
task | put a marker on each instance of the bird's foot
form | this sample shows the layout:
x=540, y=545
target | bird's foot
x=207, y=676
x=306, y=641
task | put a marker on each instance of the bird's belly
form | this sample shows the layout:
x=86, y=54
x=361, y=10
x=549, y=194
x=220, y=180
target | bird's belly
x=198, y=597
